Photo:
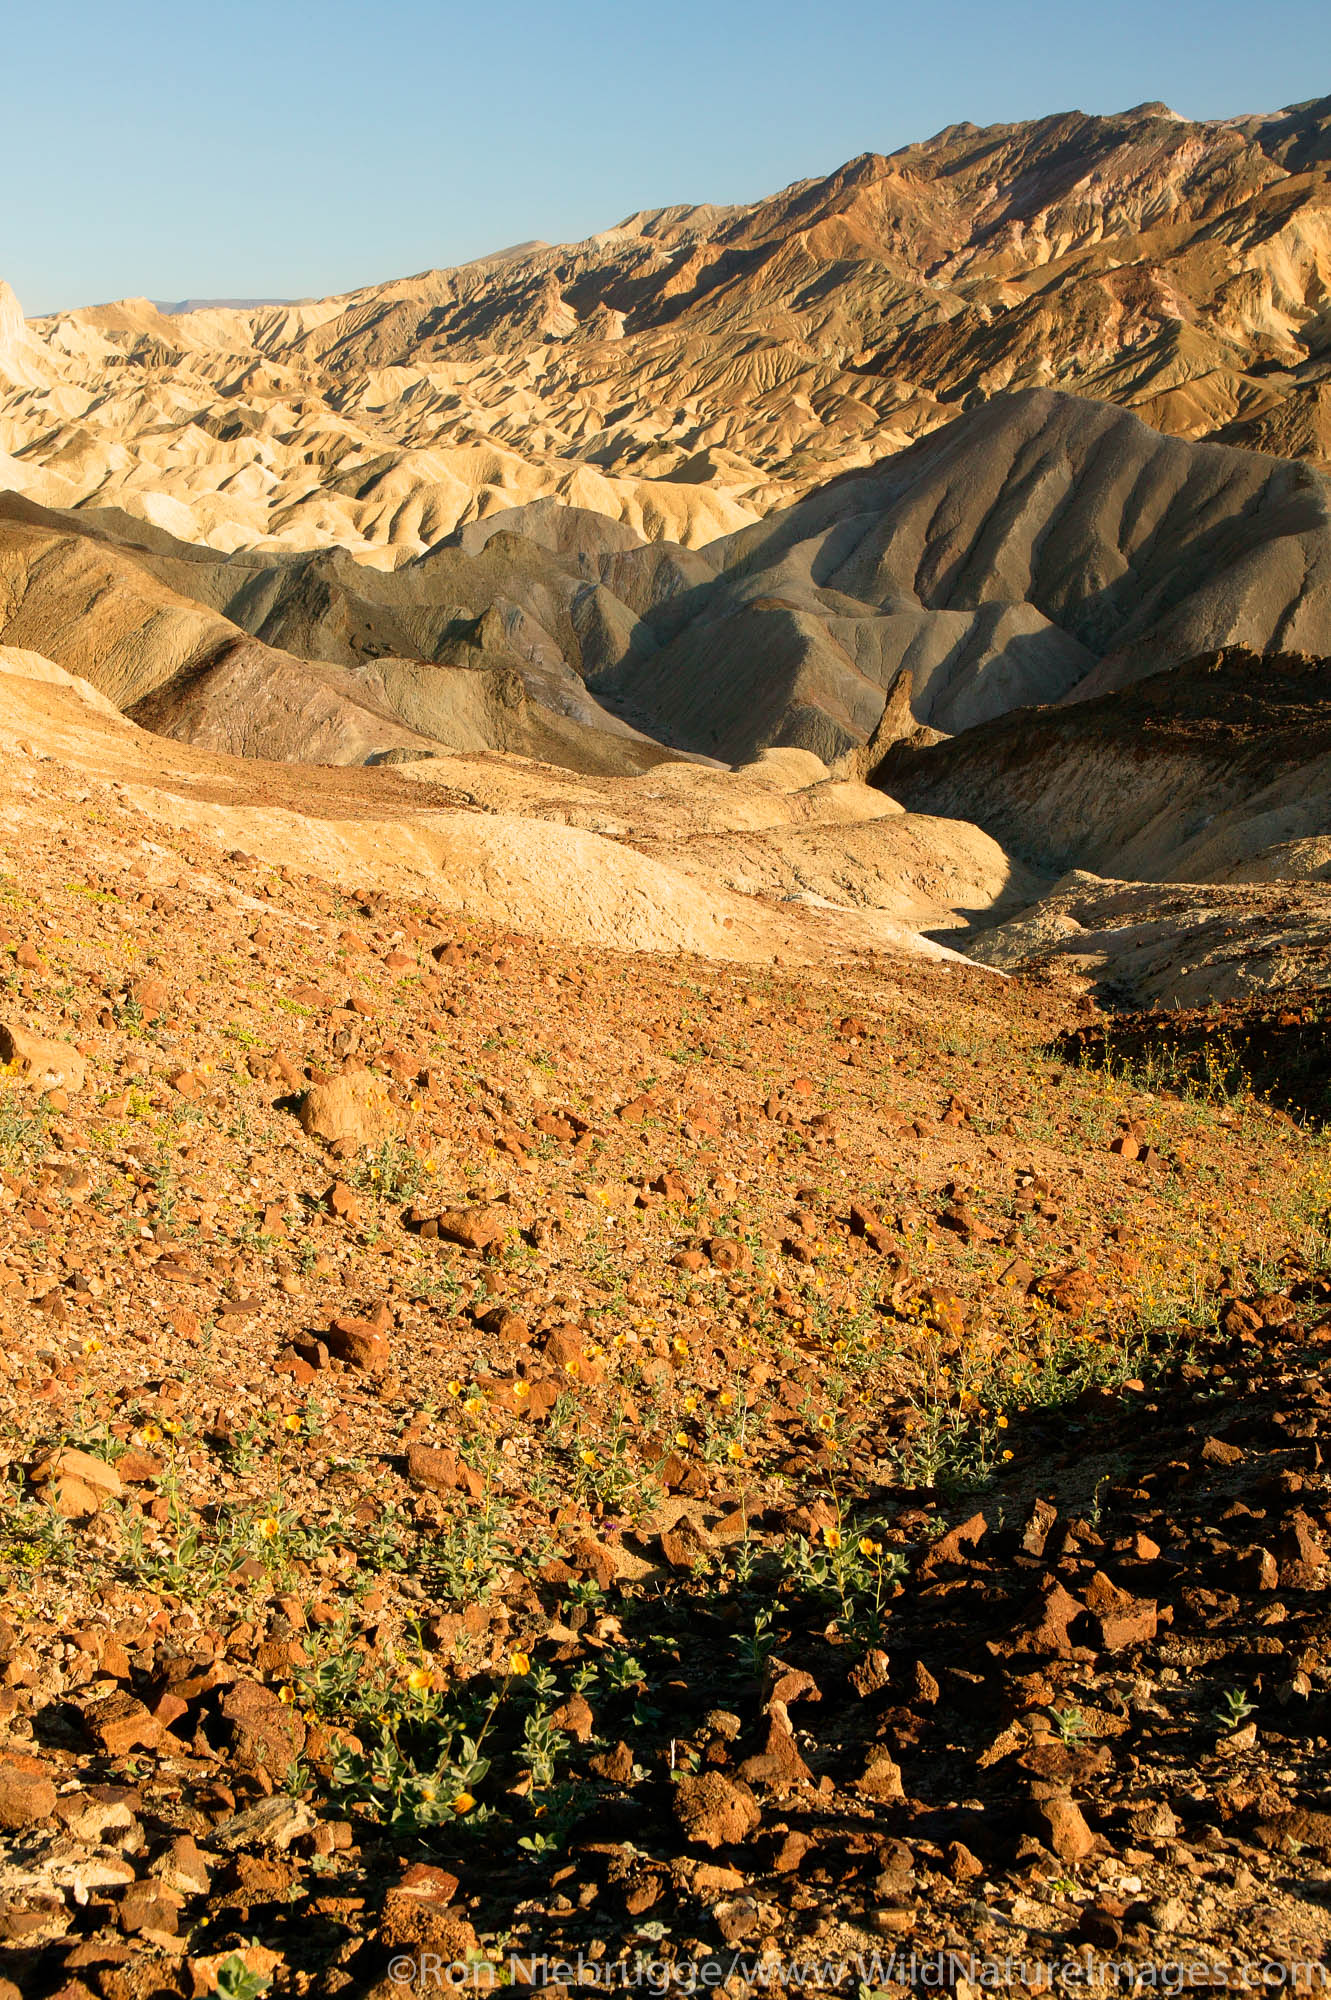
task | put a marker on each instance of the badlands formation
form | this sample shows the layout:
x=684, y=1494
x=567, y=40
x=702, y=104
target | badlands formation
x=693, y=368
x=665, y=1222
x=1013, y=418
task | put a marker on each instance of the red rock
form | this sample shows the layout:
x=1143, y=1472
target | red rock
x=779, y=1762
x=475, y=1228
x=138, y=1468
x=354, y=1111
x=422, y=1878
x=575, y=1718
x=513, y=1330
x=149, y=1906
x=24, y=1797
x=121, y=1723
x=439, y=1470
x=150, y=995
x=951, y=1547
x=360, y=1344
x=342, y=1202
x=960, y=1864
x=685, y=1545
x=48, y=1065
x=715, y=1811
x=1064, y=1829
x=794, y=1846
x=615, y=1765
x=1121, y=1619
x=1047, y=1629
x=880, y=1779
x=75, y=1483
x=1300, y=1550
x=594, y=1560
x=264, y=1731
x=567, y=1349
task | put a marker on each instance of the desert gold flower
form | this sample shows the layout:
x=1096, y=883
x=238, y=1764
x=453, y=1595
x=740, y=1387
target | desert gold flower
x=725, y=1399
x=418, y=1680
x=869, y=1547
x=473, y=1405
x=690, y=1404
x=270, y=1528
x=292, y=1421
x=681, y=1437
x=151, y=1434
x=587, y=1455
x=463, y=1804
x=735, y=1451
x=520, y=1392
x=519, y=1663
x=454, y=1387
x=832, y=1538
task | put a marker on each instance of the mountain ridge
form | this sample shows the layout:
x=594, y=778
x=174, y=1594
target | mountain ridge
x=694, y=367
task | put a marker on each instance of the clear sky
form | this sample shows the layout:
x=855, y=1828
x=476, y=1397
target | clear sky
x=267, y=148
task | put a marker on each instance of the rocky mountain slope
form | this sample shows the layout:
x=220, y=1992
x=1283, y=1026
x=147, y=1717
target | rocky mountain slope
x=692, y=368
x=517, y=1446
x=1218, y=770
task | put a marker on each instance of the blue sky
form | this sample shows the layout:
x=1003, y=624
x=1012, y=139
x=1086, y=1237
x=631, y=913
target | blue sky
x=255, y=149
